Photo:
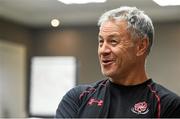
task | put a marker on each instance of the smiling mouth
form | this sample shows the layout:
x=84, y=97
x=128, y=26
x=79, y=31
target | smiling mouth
x=107, y=62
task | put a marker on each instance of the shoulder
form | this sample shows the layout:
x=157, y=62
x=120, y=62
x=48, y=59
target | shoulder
x=165, y=93
x=170, y=102
x=74, y=98
x=79, y=90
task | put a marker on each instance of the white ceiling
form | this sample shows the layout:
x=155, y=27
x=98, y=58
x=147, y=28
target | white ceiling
x=40, y=12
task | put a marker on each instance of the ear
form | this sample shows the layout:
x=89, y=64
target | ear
x=142, y=46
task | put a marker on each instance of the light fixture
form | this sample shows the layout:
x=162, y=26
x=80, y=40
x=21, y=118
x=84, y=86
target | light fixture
x=81, y=1
x=55, y=22
x=167, y=2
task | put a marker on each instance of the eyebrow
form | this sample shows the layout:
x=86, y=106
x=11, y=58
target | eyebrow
x=100, y=37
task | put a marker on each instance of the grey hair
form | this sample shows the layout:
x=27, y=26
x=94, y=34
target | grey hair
x=139, y=24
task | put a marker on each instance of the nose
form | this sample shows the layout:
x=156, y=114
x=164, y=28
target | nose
x=104, y=49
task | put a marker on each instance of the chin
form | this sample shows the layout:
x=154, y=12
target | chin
x=107, y=74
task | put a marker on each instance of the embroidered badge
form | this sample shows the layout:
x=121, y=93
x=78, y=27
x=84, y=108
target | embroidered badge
x=140, y=108
x=95, y=101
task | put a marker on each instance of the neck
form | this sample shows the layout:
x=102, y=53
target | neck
x=135, y=76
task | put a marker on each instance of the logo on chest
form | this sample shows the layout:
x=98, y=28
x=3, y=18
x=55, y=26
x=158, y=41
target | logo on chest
x=140, y=108
x=94, y=101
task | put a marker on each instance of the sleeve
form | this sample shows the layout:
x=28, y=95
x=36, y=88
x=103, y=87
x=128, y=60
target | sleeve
x=69, y=104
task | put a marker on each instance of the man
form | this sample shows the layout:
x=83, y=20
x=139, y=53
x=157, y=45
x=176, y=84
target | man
x=125, y=39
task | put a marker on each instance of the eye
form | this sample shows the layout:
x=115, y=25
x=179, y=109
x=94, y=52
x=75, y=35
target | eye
x=114, y=42
x=100, y=41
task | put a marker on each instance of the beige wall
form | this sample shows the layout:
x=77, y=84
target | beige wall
x=14, y=86
x=15, y=32
x=164, y=62
x=13, y=79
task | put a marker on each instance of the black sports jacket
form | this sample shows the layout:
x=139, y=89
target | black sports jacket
x=104, y=99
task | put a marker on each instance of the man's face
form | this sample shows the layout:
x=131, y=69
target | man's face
x=116, y=49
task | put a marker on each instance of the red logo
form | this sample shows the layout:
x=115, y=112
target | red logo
x=95, y=101
x=140, y=108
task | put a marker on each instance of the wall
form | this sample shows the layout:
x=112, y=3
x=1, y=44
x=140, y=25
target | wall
x=13, y=32
x=16, y=89
x=164, y=62
x=80, y=42
x=12, y=78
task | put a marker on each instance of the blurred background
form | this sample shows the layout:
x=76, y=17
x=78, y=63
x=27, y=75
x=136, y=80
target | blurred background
x=26, y=31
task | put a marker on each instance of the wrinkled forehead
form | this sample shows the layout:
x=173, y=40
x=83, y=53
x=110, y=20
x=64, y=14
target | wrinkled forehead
x=113, y=28
x=113, y=25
